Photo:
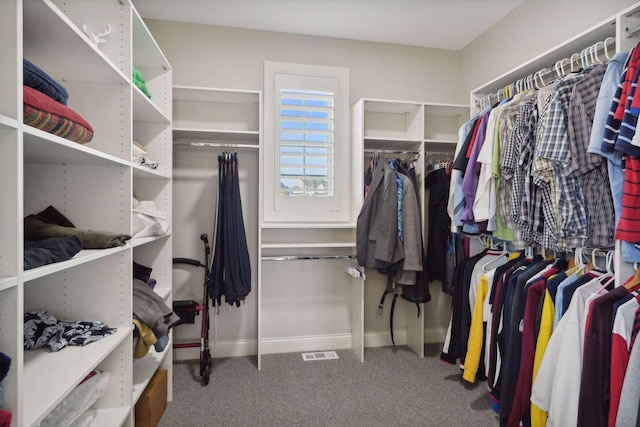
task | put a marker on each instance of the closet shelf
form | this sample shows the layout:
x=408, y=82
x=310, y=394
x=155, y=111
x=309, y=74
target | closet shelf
x=389, y=143
x=44, y=148
x=82, y=257
x=144, y=368
x=140, y=241
x=144, y=110
x=84, y=62
x=144, y=172
x=62, y=370
x=327, y=226
x=111, y=416
x=146, y=52
x=208, y=135
x=308, y=245
x=8, y=121
x=8, y=282
x=214, y=95
x=162, y=292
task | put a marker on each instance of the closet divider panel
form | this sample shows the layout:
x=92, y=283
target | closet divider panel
x=11, y=71
x=10, y=208
x=11, y=344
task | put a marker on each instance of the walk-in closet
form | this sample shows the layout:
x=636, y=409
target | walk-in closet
x=270, y=213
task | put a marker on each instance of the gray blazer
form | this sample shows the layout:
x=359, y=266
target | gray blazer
x=377, y=242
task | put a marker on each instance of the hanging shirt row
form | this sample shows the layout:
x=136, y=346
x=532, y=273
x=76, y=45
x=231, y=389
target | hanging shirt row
x=538, y=168
x=553, y=339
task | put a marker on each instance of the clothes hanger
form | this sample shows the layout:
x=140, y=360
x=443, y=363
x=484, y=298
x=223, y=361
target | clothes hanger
x=635, y=280
x=595, y=52
x=606, y=41
x=577, y=57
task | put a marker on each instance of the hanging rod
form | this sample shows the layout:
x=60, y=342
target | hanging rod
x=303, y=257
x=372, y=150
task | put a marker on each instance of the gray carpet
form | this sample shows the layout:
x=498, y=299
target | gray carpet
x=393, y=387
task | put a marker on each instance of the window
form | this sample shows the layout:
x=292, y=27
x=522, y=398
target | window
x=306, y=143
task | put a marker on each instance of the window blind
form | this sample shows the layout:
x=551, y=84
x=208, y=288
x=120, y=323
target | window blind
x=306, y=136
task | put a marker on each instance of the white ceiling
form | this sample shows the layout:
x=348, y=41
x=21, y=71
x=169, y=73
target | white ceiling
x=444, y=24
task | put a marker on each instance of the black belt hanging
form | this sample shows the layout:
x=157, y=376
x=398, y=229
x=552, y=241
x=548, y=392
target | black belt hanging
x=391, y=288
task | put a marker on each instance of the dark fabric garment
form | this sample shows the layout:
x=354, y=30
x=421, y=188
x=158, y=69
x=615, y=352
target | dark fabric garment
x=511, y=361
x=51, y=223
x=141, y=272
x=460, y=162
x=634, y=329
x=150, y=309
x=230, y=273
x=567, y=291
x=593, y=406
x=54, y=249
x=38, y=79
x=502, y=314
x=552, y=284
x=521, y=401
x=418, y=293
x=497, y=311
x=42, y=328
x=437, y=182
x=452, y=353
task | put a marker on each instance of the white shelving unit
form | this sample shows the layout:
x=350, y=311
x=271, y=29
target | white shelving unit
x=410, y=130
x=92, y=185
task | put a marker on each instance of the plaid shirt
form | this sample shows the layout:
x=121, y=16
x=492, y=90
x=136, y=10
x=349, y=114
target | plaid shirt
x=508, y=163
x=555, y=146
x=522, y=138
x=590, y=171
x=544, y=177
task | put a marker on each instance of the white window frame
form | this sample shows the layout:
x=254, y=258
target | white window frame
x=327, y=209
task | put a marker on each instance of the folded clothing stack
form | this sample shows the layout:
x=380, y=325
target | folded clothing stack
x=45, y=107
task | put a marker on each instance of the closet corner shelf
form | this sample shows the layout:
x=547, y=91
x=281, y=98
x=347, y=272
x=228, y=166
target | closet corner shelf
x=8, y=282
x=144, y=110
x=144, y=172
x=82, y=257
x=71, y=363
x=139, y=241
x=45, y=148
x=144, y=368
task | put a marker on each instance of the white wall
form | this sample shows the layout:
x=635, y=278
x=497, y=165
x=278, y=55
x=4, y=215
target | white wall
x=233, y=58
x=528, y=31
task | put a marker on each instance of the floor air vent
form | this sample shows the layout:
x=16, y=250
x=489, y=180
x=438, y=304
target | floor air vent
x=319, y=355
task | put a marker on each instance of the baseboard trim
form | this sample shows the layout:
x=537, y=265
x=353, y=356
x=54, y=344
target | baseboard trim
x=304, y=343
